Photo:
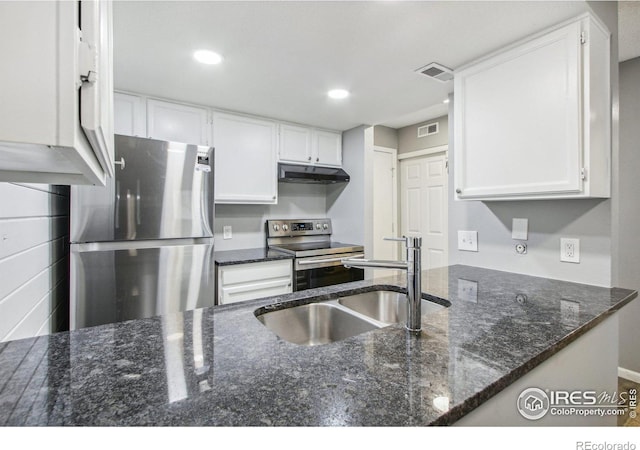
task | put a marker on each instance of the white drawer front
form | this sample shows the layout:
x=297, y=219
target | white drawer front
x=242, y=282
x=252, y=291
x=251, y=272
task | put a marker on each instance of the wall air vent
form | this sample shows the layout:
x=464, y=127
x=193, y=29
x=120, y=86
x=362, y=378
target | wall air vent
x=428, y=129
x=437, y=72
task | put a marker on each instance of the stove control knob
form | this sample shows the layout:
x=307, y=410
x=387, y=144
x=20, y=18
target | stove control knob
x=325, y=226
x=318, y=226
x=276, y=227
x=285, y=227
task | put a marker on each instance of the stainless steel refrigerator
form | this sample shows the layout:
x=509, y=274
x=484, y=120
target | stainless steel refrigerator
x=143, y=245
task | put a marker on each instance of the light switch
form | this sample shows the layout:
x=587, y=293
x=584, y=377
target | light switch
x=227, y=232
x=520, y=229
x=468, y=240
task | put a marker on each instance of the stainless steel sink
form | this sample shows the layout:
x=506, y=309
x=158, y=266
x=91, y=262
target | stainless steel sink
x=315, y=323
x=385, y=306
x=335, y=320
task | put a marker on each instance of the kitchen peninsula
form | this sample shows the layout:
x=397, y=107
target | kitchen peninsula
x=220, y=366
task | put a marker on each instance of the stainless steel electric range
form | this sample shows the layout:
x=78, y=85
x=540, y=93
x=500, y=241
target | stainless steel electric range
x=317, y=259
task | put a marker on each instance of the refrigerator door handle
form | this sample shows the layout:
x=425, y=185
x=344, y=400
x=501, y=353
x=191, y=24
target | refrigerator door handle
x=131, y=224
x=138, y=203
x=117, y=206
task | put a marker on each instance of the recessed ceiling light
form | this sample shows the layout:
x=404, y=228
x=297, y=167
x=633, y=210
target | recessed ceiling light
x=207, y=57
x=338, y=93
x=446, y=100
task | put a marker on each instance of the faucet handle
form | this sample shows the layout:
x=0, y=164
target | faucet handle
x=409, y=241
x=399, y=239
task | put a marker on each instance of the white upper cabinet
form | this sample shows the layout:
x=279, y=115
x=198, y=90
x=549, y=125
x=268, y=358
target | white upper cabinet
x=169, y=121
x=304, y=145
x=56, y=113
x=245, y=159
x=533, y=121
x=327, y=147
x=295, y=144
x=129, y=115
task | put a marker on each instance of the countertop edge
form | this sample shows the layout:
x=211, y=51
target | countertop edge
x=248, y=256
x=476, y=400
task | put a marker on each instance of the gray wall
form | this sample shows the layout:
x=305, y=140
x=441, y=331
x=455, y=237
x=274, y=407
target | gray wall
x=34, y=260
x=347, y=204
x=295, y=201
x=350, y=206
x=385, y=136
x=628, y=269
x=589, y=220
x=408, y=140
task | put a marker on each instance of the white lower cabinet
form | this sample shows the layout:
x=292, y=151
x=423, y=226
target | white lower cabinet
x=240, y=282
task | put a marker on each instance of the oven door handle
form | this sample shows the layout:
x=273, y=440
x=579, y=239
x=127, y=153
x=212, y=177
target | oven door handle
x=316, y=261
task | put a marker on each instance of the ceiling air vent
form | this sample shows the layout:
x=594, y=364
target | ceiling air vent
x=437, y=72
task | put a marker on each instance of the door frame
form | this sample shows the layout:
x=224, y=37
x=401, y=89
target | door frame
x=395, y=209
x=425, y=152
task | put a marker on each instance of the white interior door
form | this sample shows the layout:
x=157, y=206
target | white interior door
x=423, y=209
x=384, y=205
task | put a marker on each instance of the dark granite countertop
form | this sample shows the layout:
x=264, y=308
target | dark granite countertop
x=221, y=366
x=248, y=255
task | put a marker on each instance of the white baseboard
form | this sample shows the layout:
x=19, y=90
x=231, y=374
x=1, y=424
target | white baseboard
x=629, y=375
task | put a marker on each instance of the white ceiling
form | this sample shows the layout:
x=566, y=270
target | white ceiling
x=281, y=57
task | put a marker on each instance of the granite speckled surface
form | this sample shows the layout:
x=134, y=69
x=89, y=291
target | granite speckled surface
x=249, y=255
x=221, y=366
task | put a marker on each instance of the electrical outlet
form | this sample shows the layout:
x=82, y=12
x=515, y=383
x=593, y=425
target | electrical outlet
x=468, y=290
x=468, y=241
x=569, y=312
x=570, y=250
x=227, y=232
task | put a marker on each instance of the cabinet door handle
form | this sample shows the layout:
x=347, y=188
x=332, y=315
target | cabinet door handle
x=309, y=158
x=317, y=159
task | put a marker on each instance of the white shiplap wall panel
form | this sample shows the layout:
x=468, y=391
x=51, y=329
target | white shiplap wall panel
x=22, y=234
x=17, y=270
x=23, y=201
x=34, y=261
x=16, y=306
x=41, y=318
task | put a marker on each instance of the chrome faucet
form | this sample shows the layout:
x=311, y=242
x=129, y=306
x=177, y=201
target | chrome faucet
x=414, y=276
